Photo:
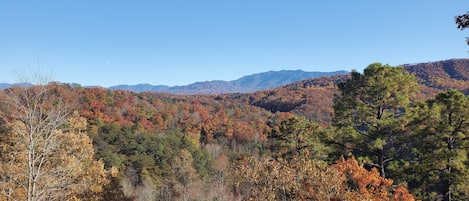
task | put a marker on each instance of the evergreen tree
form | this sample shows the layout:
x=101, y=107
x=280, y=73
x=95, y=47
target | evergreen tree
x=297, y=137
x=370, y=114
x=441, y=165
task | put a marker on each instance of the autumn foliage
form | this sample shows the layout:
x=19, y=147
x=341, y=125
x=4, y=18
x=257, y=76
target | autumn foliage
x=45, y=152
x=304, y=179
x=275, y=144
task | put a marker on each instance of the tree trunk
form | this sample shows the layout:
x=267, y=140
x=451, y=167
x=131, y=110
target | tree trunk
x=381, y=164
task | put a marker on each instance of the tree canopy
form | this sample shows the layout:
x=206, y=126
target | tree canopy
x=370, y=113
x=45, y=151
x=441, y=133
x=463, y=22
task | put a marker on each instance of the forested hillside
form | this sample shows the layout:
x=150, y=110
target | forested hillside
x=313, y=98
x=364, y=136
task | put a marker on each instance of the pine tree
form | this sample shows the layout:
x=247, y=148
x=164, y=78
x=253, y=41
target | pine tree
x=297, y=137
x=441, y=165
x=370, y=114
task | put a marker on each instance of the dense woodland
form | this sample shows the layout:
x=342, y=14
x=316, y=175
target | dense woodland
x=388, y=133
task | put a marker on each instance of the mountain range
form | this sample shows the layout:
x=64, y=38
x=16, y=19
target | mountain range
x=313, y=98
x=434, y=76
x=246, y=84
x=7, y=85
x=452, y=73
x=249, y=83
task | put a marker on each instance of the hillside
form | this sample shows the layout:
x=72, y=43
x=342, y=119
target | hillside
x=434, y=76
x=309, y=97
x=313, y=98
x=212, y=147
x=442, y=75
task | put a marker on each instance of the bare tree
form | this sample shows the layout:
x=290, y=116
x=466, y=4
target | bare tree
x=45, y=152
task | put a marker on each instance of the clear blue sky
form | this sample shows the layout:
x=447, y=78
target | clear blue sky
x=180, y=42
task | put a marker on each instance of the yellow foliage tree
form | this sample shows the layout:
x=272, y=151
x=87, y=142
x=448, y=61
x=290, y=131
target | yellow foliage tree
x=45, y=152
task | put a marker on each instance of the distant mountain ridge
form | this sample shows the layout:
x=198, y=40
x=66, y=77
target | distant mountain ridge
x=7, y=85
x=249, y=83
x=140, y=87
x=434, y=76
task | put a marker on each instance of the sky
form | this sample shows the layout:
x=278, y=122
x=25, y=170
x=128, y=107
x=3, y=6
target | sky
x=177, y=42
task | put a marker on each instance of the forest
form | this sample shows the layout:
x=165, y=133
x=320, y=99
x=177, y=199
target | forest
x=387, y=133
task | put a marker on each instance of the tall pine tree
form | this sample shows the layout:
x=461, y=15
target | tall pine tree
x=370, y=114
x=441, y=166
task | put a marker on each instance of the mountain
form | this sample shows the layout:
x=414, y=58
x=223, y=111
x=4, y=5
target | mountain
x=7, y=85
x=442, y=75
x=313, y=98
x=250, y=83
x=140, y=87
x=434, y=77
x=274, y=79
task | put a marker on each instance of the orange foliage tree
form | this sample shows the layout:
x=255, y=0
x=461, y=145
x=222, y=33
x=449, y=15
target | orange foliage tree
x=305, y=179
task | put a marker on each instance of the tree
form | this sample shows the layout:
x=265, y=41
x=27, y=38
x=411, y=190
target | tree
x=306, y=179
x=368, y=183
x=297, y=179
x=295, y=137
x=220, y=175
x=186, y=175
x=370, y=114
x=45, y=152
x=441, y=129
x=463, y=22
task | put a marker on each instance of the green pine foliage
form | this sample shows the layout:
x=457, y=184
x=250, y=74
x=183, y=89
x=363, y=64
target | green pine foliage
x=370, y=114
x=297, y=137
x=440, y=166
